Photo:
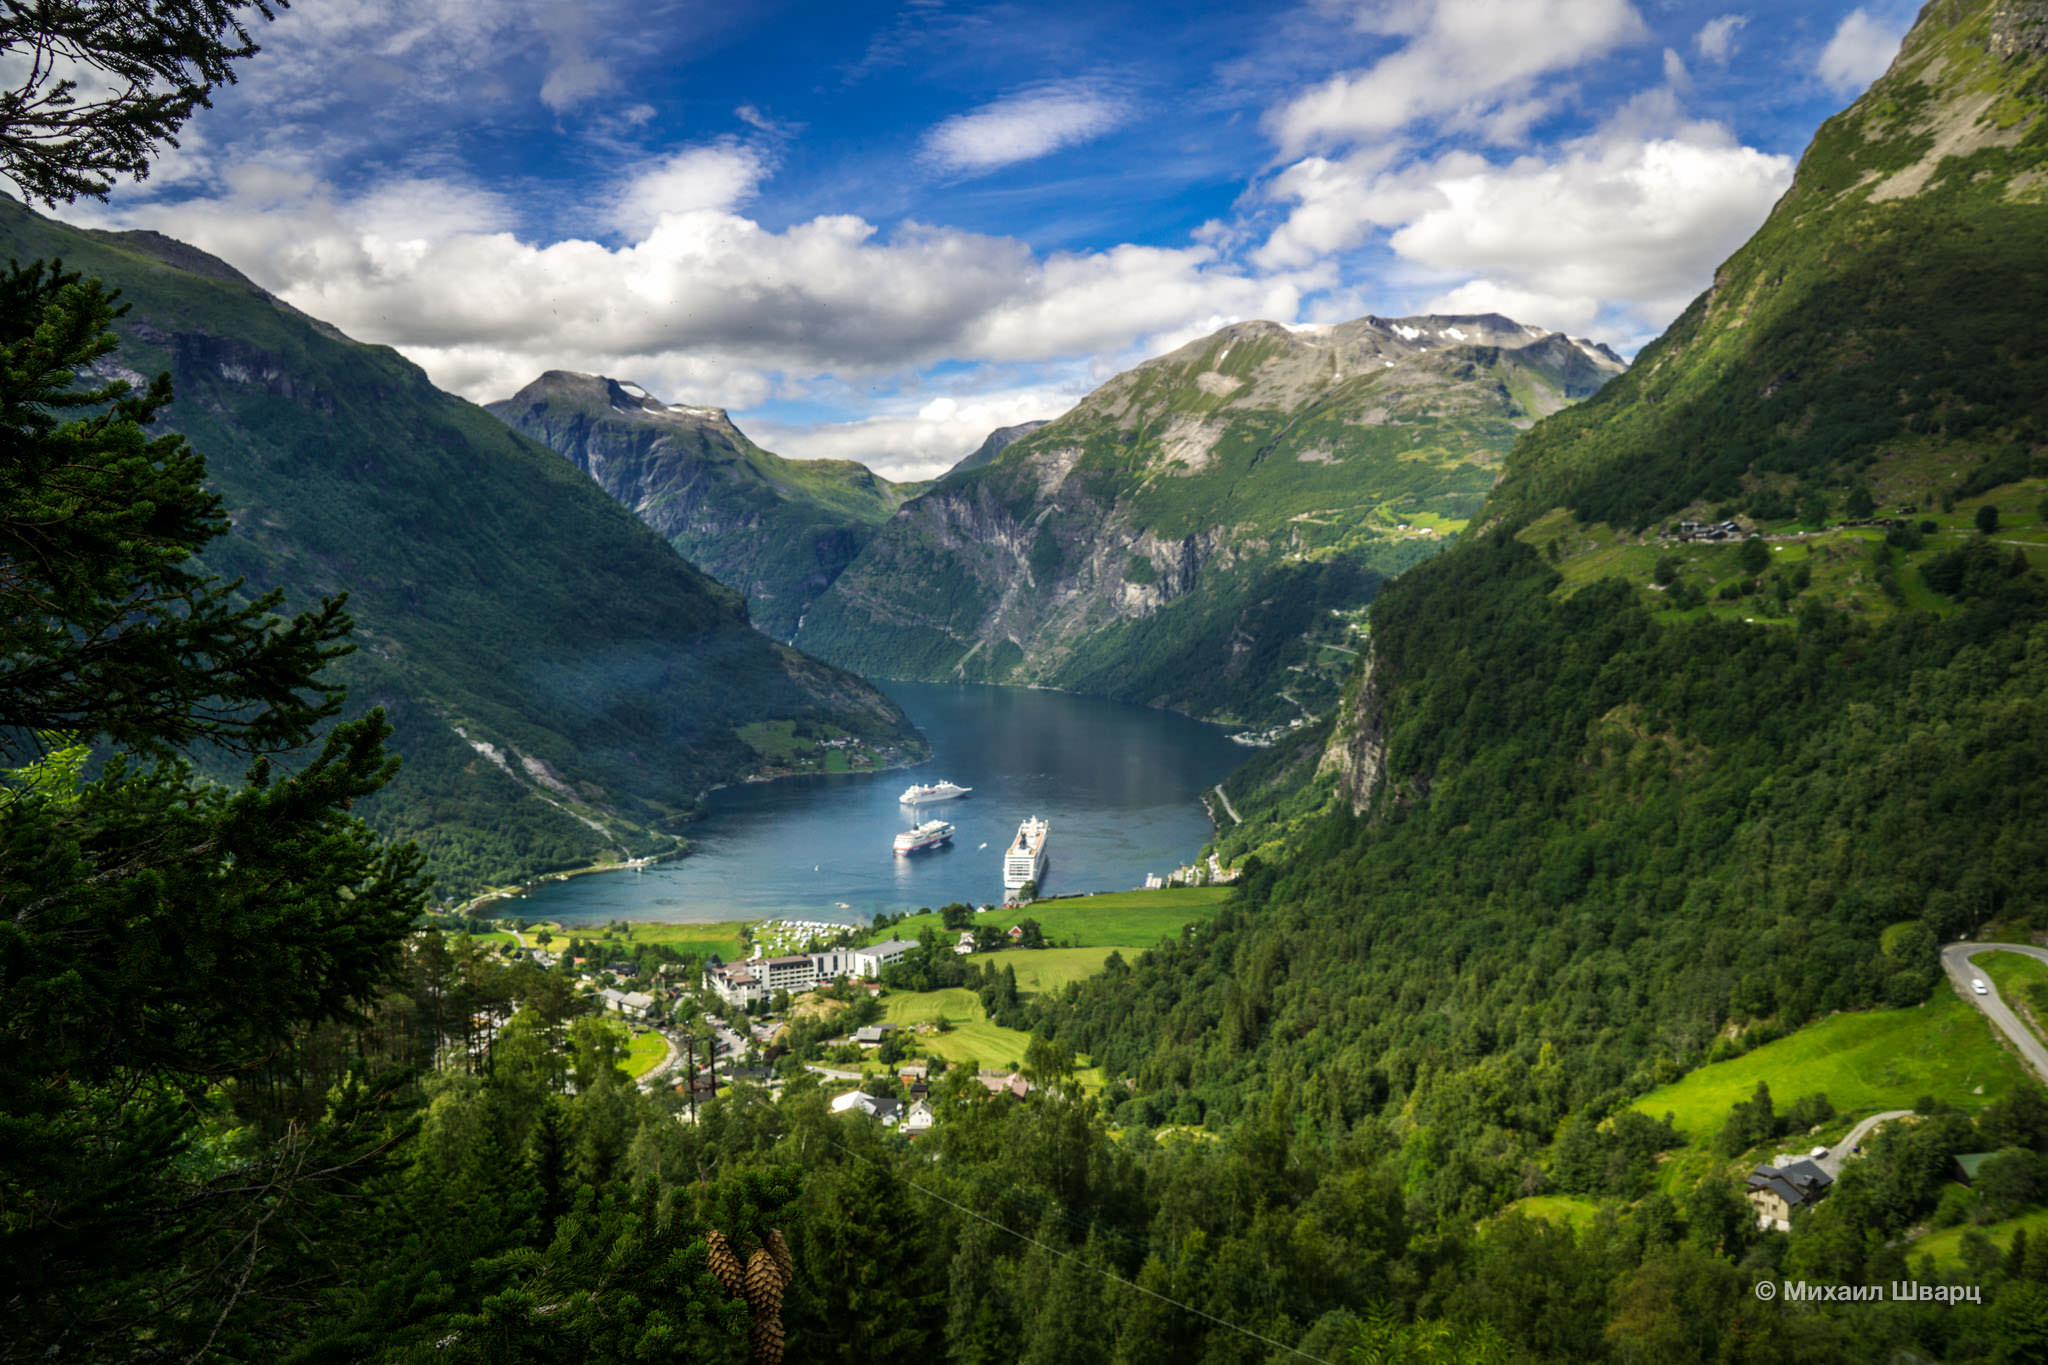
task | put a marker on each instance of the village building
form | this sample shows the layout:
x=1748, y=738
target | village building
x=887, y=1112
x=758, y=978
x=919, y=1120
x=1774, y=1191
x=870, y=960
x=632, y=1004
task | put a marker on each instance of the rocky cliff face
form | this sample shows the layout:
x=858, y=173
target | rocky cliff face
x=1356, y=755
x=1201, y=531
x=778, y=531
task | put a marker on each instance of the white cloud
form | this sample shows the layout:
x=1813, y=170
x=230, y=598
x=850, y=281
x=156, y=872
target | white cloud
x=700, y=300
x=1858, y=53
x=915, y=445
x=1464, y=58
x=1715, y=42
x=1630, y=229
x=1022, y=127
x=715, y=179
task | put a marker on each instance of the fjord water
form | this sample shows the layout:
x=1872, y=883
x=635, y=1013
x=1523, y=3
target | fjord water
x=1121, y=785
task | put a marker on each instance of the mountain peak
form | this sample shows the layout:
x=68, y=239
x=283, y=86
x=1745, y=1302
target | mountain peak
x=595, y=392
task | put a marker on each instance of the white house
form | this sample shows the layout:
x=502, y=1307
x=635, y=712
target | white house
x=890, y=1112
x=919, y=1119
x=870, y=960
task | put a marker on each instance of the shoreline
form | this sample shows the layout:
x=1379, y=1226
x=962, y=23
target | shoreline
x=514, y=891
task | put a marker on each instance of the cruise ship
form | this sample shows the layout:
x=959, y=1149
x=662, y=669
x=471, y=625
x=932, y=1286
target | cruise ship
x=1025, y=858
x=930, y=834
x=937, y=791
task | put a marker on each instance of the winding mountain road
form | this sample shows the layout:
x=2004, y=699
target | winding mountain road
x=1832, y=1162
x=1956, y=959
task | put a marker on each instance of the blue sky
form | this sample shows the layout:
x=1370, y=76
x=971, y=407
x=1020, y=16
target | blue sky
x=879, y=230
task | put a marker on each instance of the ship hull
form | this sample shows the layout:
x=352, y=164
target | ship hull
x=1025, y=860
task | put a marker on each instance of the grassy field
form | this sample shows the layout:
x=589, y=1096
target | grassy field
x=1946, y=1246
x=645, y=1054
x=1130, y=920
x=1048, y=969
x=1863, y=1063
x=1838, y=558
x=721, y=937
x=972, y=1039
x=2013, y=974
x=1569, y=1209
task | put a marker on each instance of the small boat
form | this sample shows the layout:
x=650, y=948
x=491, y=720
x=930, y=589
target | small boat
x=984, y=844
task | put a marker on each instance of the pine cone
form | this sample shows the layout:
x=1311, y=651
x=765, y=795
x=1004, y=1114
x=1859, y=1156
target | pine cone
x=764, y=1285
x=724, y=1264
x=779, y=1249
x=765, y=1340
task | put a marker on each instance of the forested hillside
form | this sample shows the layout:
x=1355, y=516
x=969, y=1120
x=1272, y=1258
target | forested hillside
x=563, y=685
x=1626, y=799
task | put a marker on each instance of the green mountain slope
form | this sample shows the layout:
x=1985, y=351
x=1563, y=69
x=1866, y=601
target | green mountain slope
x=1626, y=803
x=1889, y=306
x=1200, y=531
x=564, y=686
x=779, y=531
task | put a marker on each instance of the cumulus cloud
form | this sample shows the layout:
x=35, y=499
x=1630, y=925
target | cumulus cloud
x=1858, y=53
x=1462, y=57
x=1625, y=225
x=1022, y=127
x=1715, y=42
x=919, y=444
x=700, y=298
x=715, y=179
x=1631, y=228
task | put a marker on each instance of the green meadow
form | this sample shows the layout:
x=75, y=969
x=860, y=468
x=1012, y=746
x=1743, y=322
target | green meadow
x=1863, y=1063
x=1129, y=920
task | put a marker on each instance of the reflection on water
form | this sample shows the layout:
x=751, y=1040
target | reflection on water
x=1120, y=784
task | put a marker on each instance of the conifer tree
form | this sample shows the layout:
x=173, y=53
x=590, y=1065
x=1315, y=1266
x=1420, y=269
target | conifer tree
x=147, y=65
x=161, y=935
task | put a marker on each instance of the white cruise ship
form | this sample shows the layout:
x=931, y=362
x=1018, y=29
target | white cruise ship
x=930, y=834
x=1025, y=858
x=937, y=791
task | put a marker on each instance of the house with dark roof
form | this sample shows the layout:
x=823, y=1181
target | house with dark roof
x=1774, y=1191
x=887, y=1111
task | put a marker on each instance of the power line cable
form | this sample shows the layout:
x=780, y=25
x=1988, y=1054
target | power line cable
x=1070, y=1256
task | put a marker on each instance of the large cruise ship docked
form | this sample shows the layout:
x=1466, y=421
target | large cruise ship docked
x=1025, y=858
x=937, y=791
x=930, y=834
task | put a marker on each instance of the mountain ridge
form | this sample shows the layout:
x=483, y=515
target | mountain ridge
x=1200, y=529
x=777, y=530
